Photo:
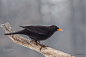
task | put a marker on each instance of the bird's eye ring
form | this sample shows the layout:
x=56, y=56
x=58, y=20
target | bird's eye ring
x=54, y=26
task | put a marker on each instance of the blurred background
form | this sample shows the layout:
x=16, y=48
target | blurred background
x=69, y=15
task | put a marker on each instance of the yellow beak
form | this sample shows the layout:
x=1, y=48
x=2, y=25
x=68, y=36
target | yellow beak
x=59, y=29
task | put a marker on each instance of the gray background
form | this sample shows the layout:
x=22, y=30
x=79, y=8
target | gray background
x=69, y=15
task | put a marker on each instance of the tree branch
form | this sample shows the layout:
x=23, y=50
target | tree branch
x=47, y=51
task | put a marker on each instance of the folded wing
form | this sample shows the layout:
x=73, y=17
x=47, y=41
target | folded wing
x=42, y=30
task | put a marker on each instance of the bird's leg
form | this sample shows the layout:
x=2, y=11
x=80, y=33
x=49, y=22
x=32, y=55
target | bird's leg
x=42, y=46
x=38, y=43
x=35, y=41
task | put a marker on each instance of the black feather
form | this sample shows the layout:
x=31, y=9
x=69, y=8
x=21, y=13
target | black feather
x=37, y=32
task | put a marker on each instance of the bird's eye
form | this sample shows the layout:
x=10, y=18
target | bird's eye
x=54, y=26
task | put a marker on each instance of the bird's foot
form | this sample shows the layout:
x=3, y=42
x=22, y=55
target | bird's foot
x=38, y=43
x=42, y=46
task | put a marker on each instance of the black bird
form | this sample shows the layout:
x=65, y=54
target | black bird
x=37, y=33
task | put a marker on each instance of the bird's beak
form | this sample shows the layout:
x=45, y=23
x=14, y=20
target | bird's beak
x=59, y=29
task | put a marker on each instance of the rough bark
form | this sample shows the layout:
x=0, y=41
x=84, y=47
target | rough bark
x=46, y=51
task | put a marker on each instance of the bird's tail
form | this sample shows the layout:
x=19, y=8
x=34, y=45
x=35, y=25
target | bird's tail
x=19, y=32
x=9, y=33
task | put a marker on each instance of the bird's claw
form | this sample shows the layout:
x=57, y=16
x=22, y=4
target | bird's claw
x=43, y=46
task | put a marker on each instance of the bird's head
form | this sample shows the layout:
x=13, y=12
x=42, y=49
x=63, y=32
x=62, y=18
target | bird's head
x=56, y=28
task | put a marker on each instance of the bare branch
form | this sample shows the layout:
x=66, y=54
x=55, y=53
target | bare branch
x=47, y=52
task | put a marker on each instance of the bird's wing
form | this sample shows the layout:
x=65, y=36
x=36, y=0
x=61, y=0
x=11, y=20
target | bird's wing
x=37, y=29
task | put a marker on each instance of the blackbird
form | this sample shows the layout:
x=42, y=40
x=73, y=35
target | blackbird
x=37, y=33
